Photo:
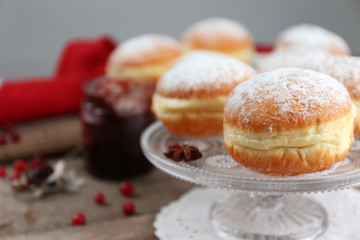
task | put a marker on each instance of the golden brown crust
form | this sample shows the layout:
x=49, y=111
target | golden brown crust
x=200, y=117
x=195, y=125
x=217, y=34
x=222, y=43
x=267, y=111
x=288, y=163
x=279, y=123
x=357, y=124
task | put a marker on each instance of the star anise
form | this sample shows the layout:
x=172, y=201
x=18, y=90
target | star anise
x=39, y=174
x=178, y=152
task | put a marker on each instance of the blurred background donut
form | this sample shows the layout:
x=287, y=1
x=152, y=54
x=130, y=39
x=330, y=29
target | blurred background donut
x=32, y=33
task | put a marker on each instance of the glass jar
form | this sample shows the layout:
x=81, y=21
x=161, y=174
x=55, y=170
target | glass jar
x=113, y=115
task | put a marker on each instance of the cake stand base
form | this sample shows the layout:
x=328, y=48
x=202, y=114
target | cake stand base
x=268, y=217
x=257, y=217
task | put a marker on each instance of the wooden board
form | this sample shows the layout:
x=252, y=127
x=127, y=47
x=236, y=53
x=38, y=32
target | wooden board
x=44, y=136
x=50, y=216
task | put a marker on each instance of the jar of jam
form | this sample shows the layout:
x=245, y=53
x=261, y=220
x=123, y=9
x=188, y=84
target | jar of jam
x=113, y=115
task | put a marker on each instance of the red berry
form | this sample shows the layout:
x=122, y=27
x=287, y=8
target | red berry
x=78, y=219
x=128, y=208
x=15, y=136
x=20, y=165
x=15, y=176
x=2, y=140
x=126, y=188
x=99, y=198
x=36, y=161
x=2, y=172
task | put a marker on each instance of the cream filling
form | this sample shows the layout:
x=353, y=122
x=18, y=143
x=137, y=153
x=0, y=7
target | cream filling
x=169, y=107
x=245, y=55
x=154, y=71
x=357, y=105
x=335, y=133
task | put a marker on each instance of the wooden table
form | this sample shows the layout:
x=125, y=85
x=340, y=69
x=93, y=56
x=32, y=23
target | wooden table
x=49, y=218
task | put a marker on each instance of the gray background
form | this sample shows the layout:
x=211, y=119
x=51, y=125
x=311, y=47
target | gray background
x=32, y=32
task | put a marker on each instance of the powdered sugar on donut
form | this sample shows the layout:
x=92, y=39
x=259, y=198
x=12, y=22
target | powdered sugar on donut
x=345, y=69
x=138, y=49
x=286, y=98
x=204, y=72
x=312, y=36
x=210, y=29
x=287, y=57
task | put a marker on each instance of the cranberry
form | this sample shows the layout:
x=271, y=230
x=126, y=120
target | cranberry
x=78, y=219
x=15, y=176
x=15, y=137
x=128, y=208
x=39, y=175
x=2, y=172
x=37, y=161
x=19, y=165
x=2, y=140
x=99, y=198
x=126, y=188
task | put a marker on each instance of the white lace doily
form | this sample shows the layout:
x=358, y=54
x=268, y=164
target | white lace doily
x=187, y=218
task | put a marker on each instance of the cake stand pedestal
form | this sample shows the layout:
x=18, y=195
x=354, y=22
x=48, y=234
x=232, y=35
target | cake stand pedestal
x=268, y=211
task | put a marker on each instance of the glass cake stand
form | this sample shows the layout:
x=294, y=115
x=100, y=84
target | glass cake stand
x=261, y=208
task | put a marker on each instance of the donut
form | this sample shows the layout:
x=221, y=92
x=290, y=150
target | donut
x=345, y=69
x=220, y=34
x=143, y=58
x=288, y=122
x=189, y=98
x=313, y=37
x=286, y=57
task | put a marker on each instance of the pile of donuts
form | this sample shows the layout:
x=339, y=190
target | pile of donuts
x=292, y=112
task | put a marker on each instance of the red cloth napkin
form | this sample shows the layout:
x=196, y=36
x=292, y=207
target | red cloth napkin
x=35, y=98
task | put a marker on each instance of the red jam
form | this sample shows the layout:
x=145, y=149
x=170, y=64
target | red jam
x=264, y=47
x=113, y=116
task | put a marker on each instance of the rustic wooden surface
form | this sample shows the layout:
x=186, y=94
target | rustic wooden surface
x=50, y=217
x=44, y=136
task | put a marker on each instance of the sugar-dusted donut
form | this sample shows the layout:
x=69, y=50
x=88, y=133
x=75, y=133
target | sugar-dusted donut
x=288, y=122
